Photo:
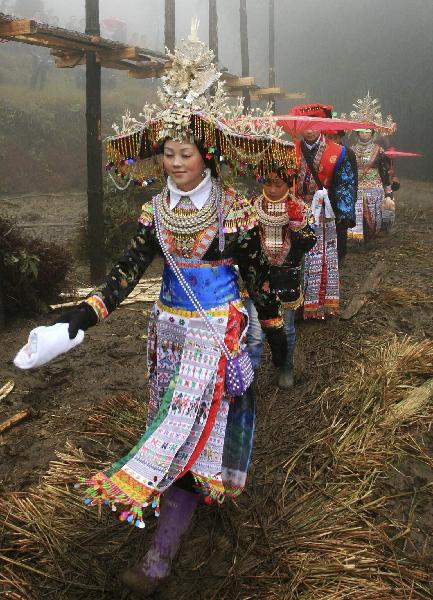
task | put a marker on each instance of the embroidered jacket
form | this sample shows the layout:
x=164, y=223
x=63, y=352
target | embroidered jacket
x=242, y=244
x=335, y=172
x=298, y=237
x=373, y=166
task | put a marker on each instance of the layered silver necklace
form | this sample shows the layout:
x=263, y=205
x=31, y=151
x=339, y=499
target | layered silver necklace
x=275, y=237
x=188, y=220
x=185, y=222
x=364, y=152
x=276, y=214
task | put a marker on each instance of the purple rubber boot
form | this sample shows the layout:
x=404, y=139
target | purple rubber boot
x=177, y=510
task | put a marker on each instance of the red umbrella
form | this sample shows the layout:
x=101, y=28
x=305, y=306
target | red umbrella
x=393, y=153
x=294, y=124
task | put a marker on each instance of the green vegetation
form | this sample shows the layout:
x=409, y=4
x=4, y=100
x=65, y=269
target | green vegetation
x=32, y=272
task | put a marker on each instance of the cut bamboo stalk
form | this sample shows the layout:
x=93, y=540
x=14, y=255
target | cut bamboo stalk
x=20, y=416
x=6, y=389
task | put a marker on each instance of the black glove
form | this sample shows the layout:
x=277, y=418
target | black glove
x=277, y=341
x=81, y=317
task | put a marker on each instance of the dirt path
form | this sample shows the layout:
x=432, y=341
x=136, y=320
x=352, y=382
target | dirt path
x=111, y=360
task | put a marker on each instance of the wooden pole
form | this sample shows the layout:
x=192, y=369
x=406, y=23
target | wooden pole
x=95, y=194
x=245, y=59
x=170, y=24
x=213, y=28
x=272, y=49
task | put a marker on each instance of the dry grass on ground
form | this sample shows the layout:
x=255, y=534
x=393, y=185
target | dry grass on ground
x=314, y=526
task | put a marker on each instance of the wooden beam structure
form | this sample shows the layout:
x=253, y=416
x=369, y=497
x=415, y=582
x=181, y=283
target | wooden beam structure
x=275, y=92
x=14, y=28
x=69, y=49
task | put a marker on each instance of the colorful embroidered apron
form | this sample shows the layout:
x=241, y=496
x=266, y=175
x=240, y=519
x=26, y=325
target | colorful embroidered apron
x=368, y=207
x=369, y=202
x=321, y=275
x=193, y=425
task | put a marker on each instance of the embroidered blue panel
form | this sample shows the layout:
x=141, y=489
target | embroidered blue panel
x=345, y=190
x=213, y=286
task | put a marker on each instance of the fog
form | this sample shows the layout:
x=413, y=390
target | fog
x=334, y=50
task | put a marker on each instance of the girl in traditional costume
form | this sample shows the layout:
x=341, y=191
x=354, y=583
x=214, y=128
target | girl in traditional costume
x=375, y=194
x=200, y=427
x=286, y=234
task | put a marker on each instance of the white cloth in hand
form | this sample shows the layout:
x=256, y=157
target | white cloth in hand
x=321, y=202
x=46, y=343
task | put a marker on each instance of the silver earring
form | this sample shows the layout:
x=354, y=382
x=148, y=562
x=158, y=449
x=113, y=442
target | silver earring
x=204, y=173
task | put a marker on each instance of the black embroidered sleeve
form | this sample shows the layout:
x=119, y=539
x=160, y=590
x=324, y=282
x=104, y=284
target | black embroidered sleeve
x=353, y=163
x=254, y=269
x=303, y=240
x=125, y=275
x=383, y=168
x=344, y=194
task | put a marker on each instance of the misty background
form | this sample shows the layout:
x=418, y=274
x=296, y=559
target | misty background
x=334, y=51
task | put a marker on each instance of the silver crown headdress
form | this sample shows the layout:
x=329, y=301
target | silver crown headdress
x=195, y=107
x=369, y=110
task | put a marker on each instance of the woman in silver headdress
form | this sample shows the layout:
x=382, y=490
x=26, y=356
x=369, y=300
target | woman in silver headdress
x=375, y=194
x=199, y=434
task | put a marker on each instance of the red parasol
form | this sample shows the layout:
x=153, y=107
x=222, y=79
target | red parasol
x=294, y=124
x=393, y=153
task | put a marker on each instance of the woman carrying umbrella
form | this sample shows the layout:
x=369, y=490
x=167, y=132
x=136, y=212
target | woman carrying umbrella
x=327, y=183
x=199, y=434
x=374, y=183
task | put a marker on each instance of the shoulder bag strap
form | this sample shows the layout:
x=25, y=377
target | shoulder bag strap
x=186, y=287
x=310, y=163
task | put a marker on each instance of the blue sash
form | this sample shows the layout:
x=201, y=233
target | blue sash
x=213, y=283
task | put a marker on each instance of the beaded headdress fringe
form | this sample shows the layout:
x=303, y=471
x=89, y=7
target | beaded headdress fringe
x=195, y=107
